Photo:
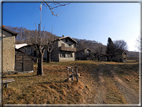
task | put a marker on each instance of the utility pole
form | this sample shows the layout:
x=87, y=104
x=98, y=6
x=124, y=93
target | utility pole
x=40, y=20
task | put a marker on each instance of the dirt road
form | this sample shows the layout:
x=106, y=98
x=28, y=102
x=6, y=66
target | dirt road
x=130, y=95
x=101, y=91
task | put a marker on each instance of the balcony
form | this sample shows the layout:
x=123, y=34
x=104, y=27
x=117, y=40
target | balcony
x=62, y=48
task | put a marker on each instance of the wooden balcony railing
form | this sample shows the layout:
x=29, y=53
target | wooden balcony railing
x=62, y=48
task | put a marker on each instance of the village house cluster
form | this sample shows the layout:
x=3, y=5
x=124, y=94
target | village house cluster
x=20, y=57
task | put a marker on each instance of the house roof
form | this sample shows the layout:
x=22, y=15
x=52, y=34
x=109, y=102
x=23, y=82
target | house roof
x=24, y=53
x=9, y=31
x=120, y=51
x=83, y=49
x=67, y=37
x=18, y=46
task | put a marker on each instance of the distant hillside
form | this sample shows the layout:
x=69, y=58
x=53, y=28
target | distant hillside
x=96, y=47
x=23, y=34
x=133, y=54
x=81, y=43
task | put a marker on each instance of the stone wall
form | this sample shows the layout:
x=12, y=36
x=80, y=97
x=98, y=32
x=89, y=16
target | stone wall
x=8, y=52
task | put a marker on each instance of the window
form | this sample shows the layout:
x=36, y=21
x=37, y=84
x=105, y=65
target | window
x=69, y=45
x=70, y=54
x=62, y=54
x=66, y=40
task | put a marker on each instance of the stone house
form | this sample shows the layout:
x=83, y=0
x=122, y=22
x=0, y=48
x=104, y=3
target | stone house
x=8, y=49
x=65, y=50
x=83, y=54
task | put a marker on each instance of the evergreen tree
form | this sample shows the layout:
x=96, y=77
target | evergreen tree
x=110, y=47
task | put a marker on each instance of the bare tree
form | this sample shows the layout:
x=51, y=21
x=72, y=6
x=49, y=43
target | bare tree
x=100, y=49
x=81, y=45
x=120, y=44
x=39, y=44
x=54, y=5
x=139, y=44
x=39, y=40
x=50, y=41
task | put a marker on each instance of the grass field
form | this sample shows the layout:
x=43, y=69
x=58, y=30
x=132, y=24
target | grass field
x=53, y=89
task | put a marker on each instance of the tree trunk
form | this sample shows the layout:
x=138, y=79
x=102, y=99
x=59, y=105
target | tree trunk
x=36, y=56
x=40, y=64
x=49, y=57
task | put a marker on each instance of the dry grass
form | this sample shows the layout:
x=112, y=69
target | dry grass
x=48, y=89
x=52, y=89
x=43, y=90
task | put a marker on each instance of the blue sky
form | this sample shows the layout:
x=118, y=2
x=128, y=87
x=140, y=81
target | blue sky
x=91, y=21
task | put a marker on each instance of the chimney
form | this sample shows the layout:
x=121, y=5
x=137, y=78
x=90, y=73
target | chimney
x=62, y=35
x=3, y=26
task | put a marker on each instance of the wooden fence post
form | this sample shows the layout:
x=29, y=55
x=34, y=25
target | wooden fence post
x=76, y=73
x=72, y=74
x=67, y=73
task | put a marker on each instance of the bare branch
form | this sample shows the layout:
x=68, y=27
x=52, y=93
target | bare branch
x=53, y=7
x=36, y=26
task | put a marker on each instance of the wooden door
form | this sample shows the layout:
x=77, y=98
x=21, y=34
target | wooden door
x=18, y=63
x=27, y=63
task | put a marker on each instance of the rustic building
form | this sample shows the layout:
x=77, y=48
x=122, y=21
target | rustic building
x=65, y=50
x=119, y=56
x=8, y=49
x=23, y=61
x=83, y=54
x=103, y=57
x=27, y=48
